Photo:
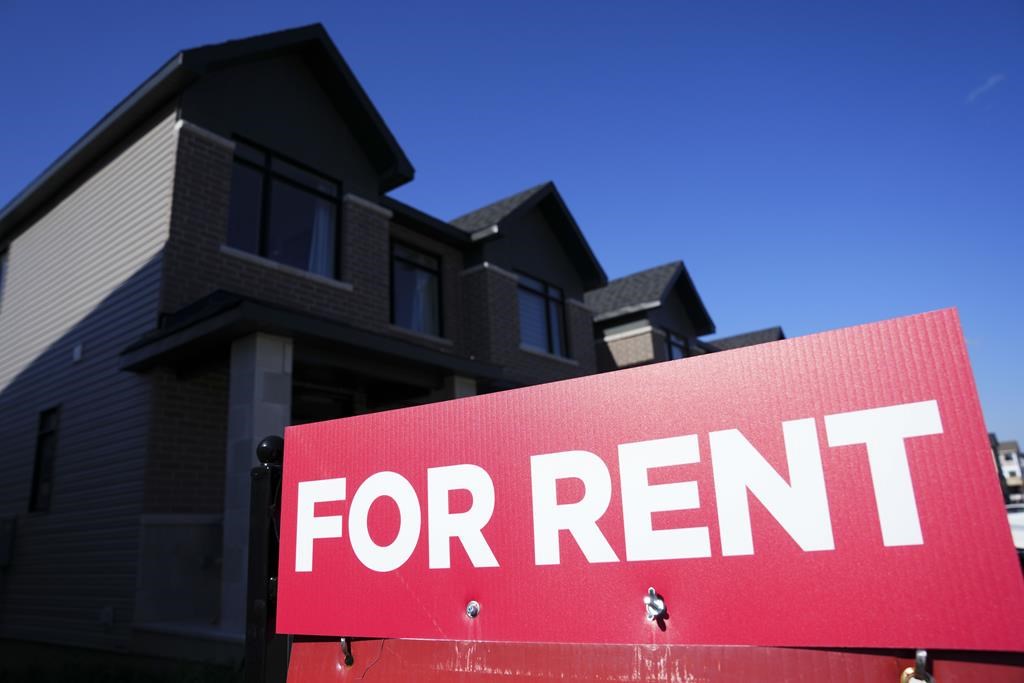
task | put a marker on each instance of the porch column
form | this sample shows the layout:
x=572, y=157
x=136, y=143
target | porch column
x=259, y=405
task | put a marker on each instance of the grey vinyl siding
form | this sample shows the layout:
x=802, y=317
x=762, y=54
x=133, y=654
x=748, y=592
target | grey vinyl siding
x=85, y=272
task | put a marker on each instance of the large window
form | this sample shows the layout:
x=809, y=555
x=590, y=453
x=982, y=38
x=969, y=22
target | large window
x=415, y=290
x=284, y=212
x=541, y=316
x=46, y=455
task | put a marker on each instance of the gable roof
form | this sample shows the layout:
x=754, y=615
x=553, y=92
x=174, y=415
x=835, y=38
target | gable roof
x=647, y=290
x=769, y=334
x=566, y=230
x=312, y=42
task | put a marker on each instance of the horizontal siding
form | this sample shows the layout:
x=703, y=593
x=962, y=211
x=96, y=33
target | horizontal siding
x=87, y=272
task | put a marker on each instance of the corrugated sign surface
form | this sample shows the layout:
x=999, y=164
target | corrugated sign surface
x=835, y=490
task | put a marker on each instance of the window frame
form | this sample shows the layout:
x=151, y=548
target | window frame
x=437, y=273
x=267, y=175
x=544, y=291
x=34, y=502
x=672, y=340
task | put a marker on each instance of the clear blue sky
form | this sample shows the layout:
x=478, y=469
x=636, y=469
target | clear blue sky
x=815, y=164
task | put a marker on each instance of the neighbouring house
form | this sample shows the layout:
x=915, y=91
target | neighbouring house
x=647, y=317
x=218, y=258
x=1011, y=467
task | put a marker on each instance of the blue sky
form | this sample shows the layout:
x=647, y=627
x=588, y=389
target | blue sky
x=816, y=165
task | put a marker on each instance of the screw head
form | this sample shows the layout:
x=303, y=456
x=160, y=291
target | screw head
x=473, y=609
x=654, y=604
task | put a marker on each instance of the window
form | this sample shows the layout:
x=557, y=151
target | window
x=541, y=316
x=677, y=346
x=46, y=454
x=415, y=290
x=284, y=212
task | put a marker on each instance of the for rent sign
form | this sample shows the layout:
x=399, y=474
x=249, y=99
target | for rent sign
x=835, y=490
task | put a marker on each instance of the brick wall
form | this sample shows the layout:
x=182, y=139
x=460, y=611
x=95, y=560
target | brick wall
x=187, y=442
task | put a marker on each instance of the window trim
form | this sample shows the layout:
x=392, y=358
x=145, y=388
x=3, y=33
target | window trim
x=544, y=293
x=34, y=504
x=267, y=175
x=437, y=273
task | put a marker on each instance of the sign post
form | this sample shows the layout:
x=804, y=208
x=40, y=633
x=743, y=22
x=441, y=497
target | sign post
x=829, y=491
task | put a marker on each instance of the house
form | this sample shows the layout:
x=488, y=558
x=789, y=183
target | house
x=218, y=258
x=1011, y=467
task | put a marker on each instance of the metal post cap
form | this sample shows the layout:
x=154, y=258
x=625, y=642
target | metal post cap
x=271, y=450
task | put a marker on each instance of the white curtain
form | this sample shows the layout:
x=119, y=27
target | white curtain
x=424, y=303
x=321, y=242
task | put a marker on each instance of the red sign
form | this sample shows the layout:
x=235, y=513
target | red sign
x=834, y=490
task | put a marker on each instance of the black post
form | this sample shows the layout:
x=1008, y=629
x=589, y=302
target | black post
x=266, y=652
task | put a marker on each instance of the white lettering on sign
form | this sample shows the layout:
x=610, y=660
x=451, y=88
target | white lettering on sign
x=309, y=527
x=384, y=558
x=884, y=430
x=640, y=499
x=444, y=525
x=579, y=518
x=799, y=505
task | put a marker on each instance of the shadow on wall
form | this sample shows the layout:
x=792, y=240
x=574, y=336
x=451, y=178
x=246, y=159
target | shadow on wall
x=73, y=576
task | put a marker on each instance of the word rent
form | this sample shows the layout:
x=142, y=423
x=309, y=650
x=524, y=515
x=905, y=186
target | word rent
x=799, y=505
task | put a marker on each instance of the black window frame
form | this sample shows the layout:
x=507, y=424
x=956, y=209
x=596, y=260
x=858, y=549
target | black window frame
x=37, y=502
x=672, y=340
x=437, y=273
x=544, y=290
x=269, y=174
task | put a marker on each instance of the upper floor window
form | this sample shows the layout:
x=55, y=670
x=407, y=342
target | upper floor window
x=415, y=290
x=677, y=346
x=542, y=316
x=284, y=212
x=46, y=456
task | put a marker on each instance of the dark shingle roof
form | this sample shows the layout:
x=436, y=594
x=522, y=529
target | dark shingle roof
x=737, y=341
x=493, y=213
x=633, y=292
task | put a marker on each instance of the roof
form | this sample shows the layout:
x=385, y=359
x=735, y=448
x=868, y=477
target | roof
x=647, y=290
x=494, y=213
x=566, y=230
x=737, y=341
x=414, y=218
x=312, y=42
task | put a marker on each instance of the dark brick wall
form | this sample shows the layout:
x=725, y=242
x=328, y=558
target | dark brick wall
x=187, y=442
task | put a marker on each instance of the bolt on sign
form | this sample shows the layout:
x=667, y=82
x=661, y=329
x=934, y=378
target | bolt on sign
x=835, y=490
